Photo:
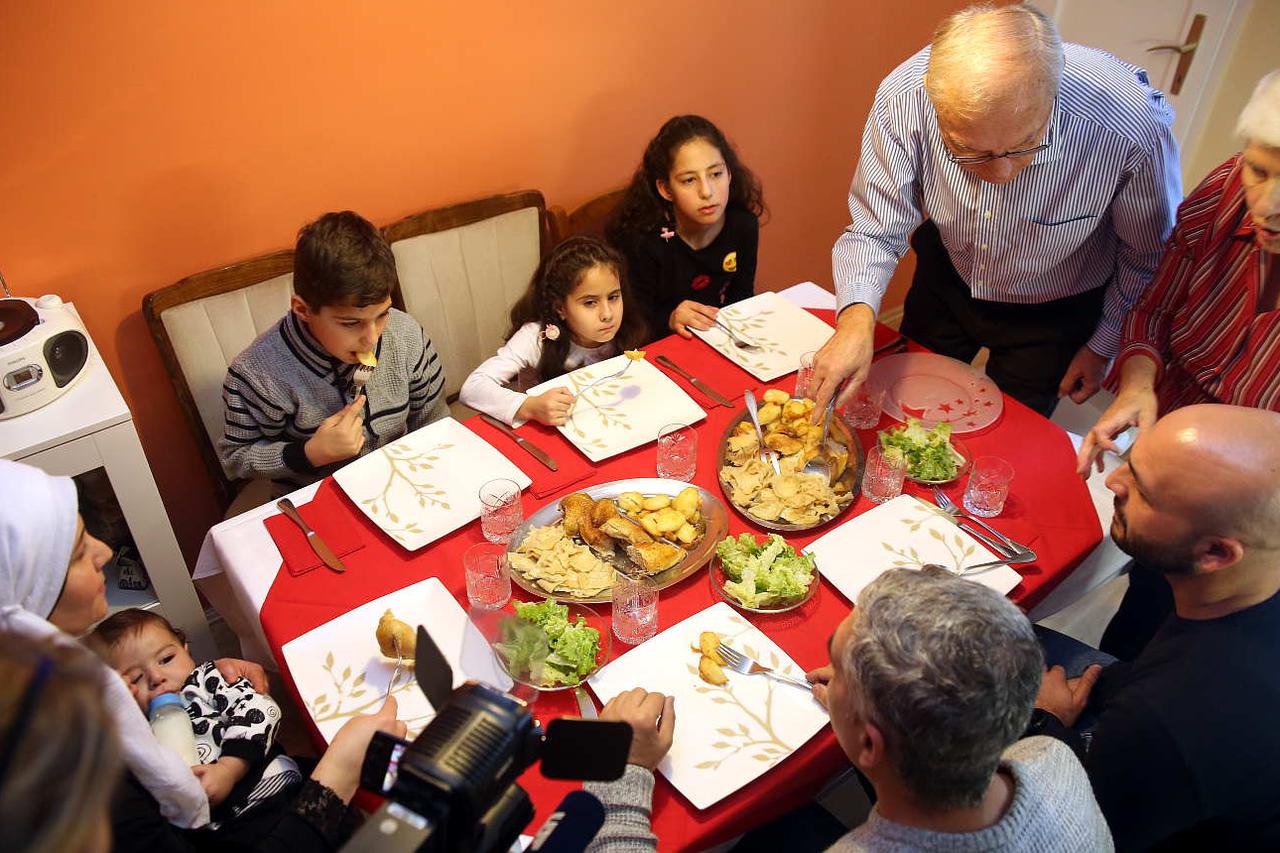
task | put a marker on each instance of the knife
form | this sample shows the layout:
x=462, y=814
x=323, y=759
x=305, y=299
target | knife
x=696, y=383
x=899, y=341
x=317, y=544
x=533, y=450
x=586, y=708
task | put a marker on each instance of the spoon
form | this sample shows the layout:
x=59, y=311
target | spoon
x=766, y=454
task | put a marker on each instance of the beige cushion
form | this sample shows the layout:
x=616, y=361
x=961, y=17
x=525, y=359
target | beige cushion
x=460, y=285
x=207, y=334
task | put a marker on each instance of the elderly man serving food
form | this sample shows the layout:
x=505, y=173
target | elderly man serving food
x=1040, y=180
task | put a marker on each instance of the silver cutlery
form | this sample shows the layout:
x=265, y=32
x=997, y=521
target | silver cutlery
x=395, y=673
x=821, y=463
x=744, y=665
x=695, y=382
x=586, y=708
x=738, y=341
x=323, y=551
x=769, y=456
x=593, y=383
x=897, y=343
x=949, y=506
x=532, y=449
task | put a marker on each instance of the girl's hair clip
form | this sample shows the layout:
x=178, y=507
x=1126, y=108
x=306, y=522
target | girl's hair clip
x=666, y=233
x=550, y=332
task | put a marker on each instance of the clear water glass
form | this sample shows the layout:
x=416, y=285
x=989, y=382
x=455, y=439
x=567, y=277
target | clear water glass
x=635, y=608
x=863, y=409
x=882, y=479
x=500, y=510
x=488, y=581
x=677, y=452
x=804, y=376
x=988, y=486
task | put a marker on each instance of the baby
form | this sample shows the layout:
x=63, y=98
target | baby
x=234, y=725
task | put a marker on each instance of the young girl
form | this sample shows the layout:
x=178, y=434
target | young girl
x=571, y=316
x=689, y=226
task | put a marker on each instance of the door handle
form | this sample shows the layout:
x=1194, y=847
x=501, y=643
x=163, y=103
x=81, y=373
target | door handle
x=1186, y=53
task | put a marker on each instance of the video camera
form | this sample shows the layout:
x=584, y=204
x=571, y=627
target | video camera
x=453, y=788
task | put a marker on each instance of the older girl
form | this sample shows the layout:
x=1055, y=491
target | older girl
x=689, y=226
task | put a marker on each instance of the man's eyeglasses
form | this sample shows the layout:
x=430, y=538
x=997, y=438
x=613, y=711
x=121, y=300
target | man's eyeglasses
x=979, y=159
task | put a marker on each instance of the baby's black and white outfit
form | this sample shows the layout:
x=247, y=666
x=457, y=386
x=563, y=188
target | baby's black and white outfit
x=234, y=719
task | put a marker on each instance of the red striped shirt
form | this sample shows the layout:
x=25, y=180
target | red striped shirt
x=1199, y=319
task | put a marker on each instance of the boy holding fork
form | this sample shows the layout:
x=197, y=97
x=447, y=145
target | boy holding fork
x=341, y=374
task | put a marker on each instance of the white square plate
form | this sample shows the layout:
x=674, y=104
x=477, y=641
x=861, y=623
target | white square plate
x=619, y=414
x=725, y=736
x=426, y=484
x=340, y=672
x=902, y=533
x=783, y=330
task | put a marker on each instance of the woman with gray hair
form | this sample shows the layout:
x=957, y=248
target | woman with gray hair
x=1208, y=328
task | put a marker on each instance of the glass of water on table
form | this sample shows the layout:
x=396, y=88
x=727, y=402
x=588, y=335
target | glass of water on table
x=988, y=486
x=500, y=510
x=677, y=452
x=635, y=608
x=488, y=582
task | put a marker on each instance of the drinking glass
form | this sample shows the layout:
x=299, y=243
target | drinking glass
x=677, y=452
x=882, y=480
x=804, y=376
x=988, y=486
x=863, y=409
x=500, y=510
x=488, y=581
x=635, y=608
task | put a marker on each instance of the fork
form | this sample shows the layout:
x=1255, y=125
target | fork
x=740, y=663
x=395, y=673
x=585, y=388
x=739, y=342
x=949, y=506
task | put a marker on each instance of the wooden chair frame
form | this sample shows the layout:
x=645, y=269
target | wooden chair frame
x=588, y=217
x=467, y=212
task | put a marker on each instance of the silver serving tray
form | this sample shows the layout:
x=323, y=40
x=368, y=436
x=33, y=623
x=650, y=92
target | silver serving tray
x=715, y=526
x=852, y=476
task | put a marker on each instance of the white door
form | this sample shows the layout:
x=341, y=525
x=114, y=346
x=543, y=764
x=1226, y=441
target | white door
x=1196, y=34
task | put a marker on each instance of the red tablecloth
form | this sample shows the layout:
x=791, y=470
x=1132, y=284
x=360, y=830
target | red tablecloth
x=1048, y=508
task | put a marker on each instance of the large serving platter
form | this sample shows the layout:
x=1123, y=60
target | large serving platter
x=852, y=476
x=715, y=520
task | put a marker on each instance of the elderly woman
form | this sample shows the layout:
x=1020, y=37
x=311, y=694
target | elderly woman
x=52, y=590
x=1208, y=328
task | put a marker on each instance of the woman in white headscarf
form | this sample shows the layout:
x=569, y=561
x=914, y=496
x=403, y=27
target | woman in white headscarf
x=52, y=588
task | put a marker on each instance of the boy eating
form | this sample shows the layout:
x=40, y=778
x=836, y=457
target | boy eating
x=343, y=373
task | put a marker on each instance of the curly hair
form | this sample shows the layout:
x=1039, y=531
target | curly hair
x=643, y=208
x=553, y=282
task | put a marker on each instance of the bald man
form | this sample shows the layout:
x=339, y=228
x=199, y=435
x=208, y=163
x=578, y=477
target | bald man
x=1185, y=753
x=1040, y=181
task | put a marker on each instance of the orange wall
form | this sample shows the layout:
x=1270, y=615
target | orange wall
x=144, y=141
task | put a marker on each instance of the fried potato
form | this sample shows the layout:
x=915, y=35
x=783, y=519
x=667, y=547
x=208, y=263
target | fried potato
x=769, y=413
x=795, y=409
x=710, y=672
x=650, y=525
x=687, y=502
x=669, y=520
x=657, y=502
x=631, y=502
x=390, y=632
x=687, y=534
x=776, y=395
x=709, y=645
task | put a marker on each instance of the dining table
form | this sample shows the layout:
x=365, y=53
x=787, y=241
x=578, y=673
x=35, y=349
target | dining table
x=1048, y=509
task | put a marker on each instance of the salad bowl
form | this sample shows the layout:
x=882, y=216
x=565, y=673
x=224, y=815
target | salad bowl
x=520, y=636
x=792, y=567
x=927, y=450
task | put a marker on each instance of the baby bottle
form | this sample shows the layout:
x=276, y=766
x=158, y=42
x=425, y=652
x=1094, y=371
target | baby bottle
x=172, y=726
